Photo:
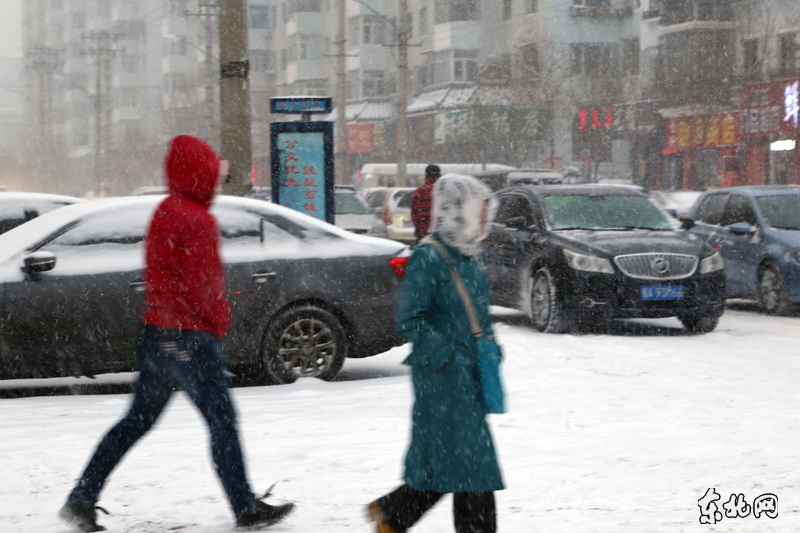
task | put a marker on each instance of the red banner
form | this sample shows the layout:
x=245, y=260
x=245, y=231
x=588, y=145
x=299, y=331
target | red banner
x=359, y=138
x=770, y=109
x=706, y=131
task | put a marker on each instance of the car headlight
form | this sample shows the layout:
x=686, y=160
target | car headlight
x=712, y=263
x=588, y=263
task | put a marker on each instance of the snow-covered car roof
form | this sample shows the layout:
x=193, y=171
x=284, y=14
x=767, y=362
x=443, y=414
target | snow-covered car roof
x=21, y=238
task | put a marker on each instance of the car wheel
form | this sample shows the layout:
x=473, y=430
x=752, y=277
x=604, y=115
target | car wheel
x=304, y=342
x=700, y=323
x=770, y=291
x=547, y=310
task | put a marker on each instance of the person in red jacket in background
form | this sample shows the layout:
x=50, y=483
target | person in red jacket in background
x=178, y=344
x=421, y=202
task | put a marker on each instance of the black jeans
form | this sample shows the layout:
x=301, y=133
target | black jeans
x=473, y=512
x=168, y=359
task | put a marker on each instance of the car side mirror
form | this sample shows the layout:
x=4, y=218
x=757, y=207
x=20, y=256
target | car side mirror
x=518, y=223
x=742, y=228
x=687, y=223
x=39, y=262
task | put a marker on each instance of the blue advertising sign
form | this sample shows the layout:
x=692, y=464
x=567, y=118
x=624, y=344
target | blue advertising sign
x=301, y=104
x=302, y=167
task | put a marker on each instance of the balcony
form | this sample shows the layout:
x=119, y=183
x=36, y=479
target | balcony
x=304, y=23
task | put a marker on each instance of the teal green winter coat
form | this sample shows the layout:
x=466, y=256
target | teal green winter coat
x=451, y=446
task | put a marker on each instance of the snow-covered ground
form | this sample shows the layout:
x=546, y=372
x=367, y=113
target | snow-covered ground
x=619, y=432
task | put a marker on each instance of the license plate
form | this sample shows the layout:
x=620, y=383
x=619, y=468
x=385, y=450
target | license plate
x=662, y=292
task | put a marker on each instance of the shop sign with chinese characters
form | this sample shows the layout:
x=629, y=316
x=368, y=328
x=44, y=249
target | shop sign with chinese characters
x=359, y=138
x=302, y=167
x=771, y=109
x=706, y=131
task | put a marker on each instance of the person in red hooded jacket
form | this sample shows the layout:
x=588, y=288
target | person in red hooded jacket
x=178, y=344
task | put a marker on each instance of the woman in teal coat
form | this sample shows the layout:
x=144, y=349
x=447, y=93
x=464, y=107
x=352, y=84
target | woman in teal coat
x=451, y=446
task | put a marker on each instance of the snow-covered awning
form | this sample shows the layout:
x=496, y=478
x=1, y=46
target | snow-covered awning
x=81, y=151
x=428, y=101
x=376, y=111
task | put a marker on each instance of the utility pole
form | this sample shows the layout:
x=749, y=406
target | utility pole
x=341, y=92
x=402, y=92
x=208, y=12
x=44, y=60
x=99, y=44
x=234, y=96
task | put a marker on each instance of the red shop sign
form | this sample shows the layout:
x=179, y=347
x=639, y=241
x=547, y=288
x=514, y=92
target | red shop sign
x=705, y=131
x=770, y=109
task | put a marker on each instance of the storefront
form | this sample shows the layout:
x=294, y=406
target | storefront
x=701, y=152
x=769, y=129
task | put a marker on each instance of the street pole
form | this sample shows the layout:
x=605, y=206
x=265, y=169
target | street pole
x=210, y=71
x=341, y=93
x=402, y=92
x=234, y=96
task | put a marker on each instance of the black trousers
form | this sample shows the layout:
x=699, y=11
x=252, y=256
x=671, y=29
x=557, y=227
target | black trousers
x=473, y=512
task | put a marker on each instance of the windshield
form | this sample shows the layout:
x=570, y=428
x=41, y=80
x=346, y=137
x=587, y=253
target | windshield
x=350, y=204
x=781, y=211
x=601, y=212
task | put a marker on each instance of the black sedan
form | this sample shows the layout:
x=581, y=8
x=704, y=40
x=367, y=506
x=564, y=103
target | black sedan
x=572, y=255
x=305, y=294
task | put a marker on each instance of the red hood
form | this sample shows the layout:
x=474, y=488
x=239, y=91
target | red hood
x=192, y=169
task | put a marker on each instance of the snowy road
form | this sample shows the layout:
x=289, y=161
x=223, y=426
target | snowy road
x=619, y=432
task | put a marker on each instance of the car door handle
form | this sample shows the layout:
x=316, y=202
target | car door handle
x=262, y=277
x=138, y=286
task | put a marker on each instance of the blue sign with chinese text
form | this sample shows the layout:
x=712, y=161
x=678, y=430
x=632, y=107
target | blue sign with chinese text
x=302, y=167
x=301, y=104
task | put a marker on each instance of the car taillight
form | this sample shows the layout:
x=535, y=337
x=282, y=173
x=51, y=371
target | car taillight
x=387, y=216
x=399, y=265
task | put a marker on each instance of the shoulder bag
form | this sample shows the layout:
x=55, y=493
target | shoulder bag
x=492, y=394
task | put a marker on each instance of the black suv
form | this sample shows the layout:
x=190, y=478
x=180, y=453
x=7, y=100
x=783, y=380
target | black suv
x=573, y=255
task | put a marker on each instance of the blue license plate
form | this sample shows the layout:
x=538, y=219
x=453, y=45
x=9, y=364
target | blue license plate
x=661, y=292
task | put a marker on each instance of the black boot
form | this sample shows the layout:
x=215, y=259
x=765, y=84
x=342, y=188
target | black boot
x=263, y=515
x=84, y=518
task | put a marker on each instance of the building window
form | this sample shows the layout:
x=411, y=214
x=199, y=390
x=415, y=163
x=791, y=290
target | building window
x=533, y=6
x=128, y=97
x=751, y=64
x=178, y=8
x=423, y=21
x=787, y=50
x=175, y=83
x=305, y=6
x=78, y=21
x=177, y=48
x=456, y=10
x=130, y=63
x=258, y=17
x=283, y=59
x=591, y=59
x=373, y=83
x=600, y=4
x=629, y=62
x=507, y=9
x=261, y=60
x=410, y=25
x=304, y=48
x=530, y=57
x=465, y=65
x=365, y=30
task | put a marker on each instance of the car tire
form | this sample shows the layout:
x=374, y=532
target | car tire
x=770, y=291
x=546, y=307
x=700, y=323
x=304, y=342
